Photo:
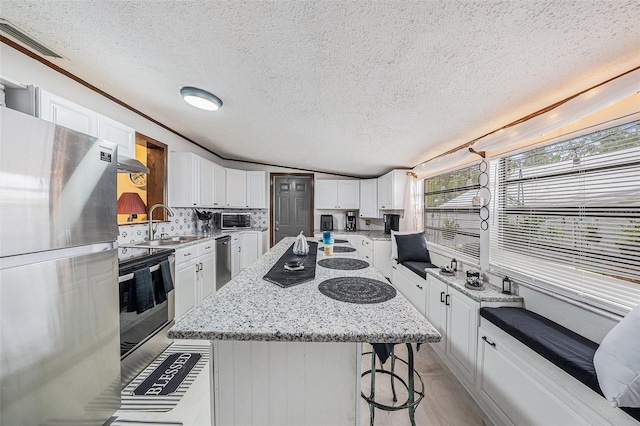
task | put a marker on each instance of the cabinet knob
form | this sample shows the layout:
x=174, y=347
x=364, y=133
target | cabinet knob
x=419, y=286
x=447, y=298
x=442, y=296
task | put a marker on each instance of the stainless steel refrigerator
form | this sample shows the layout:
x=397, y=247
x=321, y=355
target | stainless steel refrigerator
x=59, y=331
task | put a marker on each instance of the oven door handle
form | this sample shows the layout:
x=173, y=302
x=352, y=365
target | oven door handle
x=127, y=277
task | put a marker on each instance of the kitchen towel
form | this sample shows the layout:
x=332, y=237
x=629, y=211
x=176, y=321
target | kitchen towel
x=384, y=350
x=143, y=290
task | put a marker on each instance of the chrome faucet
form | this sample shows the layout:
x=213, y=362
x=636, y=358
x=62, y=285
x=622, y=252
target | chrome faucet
x=151, y=231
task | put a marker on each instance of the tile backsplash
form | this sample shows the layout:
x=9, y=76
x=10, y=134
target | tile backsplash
x=182, y=223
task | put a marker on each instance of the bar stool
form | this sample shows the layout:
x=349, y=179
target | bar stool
x=411, y=402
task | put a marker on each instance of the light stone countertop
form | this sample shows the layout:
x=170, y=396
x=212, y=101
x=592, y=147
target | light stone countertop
x=373, y=235
x=250, y=308
x=217, y=233
x=489, y=294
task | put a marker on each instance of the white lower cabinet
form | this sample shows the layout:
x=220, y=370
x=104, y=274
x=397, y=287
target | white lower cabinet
x=515, y=389
x=246, y=248
x=206, y=269
x=455, y=316
x=250, y=248
x=382, y=257
x=363, y=245
x=412, y=287
x=235, y=254
x=185, y=287
x=195, y=276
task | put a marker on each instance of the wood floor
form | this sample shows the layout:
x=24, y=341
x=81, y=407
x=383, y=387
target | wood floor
x=445, y=402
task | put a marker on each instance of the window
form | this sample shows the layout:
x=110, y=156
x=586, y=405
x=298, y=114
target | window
x=449, y=219
x=567, y=216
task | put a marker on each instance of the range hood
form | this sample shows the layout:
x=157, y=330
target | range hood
x=131, y=165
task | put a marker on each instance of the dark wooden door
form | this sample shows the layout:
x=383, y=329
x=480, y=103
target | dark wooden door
x=292, y=207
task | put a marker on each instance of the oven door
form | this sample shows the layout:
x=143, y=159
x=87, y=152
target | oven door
x=143, y=336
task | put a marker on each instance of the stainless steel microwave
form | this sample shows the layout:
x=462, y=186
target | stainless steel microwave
x=232, y=220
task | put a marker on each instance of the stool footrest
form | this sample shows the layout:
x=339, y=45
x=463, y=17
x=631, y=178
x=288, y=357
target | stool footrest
x=412, y=401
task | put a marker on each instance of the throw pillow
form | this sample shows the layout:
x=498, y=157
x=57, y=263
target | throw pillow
x=394, y=246
x=617, y=362
x=412, y=247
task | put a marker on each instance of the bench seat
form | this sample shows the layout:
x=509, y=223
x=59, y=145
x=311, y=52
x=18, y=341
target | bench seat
x=567, y=350
x=418, y=267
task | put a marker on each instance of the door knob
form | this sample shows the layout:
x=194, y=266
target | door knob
x=277, y=229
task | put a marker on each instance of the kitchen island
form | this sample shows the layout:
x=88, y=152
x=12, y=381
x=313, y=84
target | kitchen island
x=291, y=356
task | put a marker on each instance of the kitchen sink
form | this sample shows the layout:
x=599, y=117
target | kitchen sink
x=184, y=238
x=165, y=242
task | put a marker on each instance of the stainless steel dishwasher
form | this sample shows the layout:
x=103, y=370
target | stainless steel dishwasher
x=223, y=261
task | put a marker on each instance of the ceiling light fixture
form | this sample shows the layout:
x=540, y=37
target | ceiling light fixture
x=200, y=98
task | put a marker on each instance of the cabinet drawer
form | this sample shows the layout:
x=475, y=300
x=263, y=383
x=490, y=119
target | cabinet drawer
x=207, y=247
x=367, y=243
x=186, y=254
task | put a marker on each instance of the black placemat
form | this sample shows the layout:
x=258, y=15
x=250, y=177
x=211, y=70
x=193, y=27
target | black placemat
x=344, y=263
x=285, y=278
x=341, y=249
x=357, y=290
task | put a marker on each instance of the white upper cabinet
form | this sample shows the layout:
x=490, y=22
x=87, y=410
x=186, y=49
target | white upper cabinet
x=337, y=194
x=206, y=182
x=76, y=117
x=369, y=198
x=219, y=185
x=184, y=179
x=391, y=190
x=256, y=190
x=326, y=194
x=124, y=136
x=193, y=181
x=236, y=188
x=65, y=113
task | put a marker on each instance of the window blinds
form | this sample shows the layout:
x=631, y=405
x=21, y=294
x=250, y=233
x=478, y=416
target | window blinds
x=449, y=218
x=567, y=216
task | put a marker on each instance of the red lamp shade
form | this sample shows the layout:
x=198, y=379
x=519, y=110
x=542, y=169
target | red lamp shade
x=131, y=203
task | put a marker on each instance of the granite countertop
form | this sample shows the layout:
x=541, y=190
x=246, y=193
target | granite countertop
x=250, y=308
x=373, y=235
x=490, y=293
x=217, y=233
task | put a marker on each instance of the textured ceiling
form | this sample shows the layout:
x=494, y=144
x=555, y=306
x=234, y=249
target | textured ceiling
x=355, y=87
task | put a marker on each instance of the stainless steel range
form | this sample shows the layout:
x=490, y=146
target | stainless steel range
x=143, y=335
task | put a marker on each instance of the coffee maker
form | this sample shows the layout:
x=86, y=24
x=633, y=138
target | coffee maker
x=391, y=222
x=351, y=221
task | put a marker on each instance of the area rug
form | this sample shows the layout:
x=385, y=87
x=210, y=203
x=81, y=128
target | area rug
x=163, y=383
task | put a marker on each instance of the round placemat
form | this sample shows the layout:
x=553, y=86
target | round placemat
x=357, y=290
x=340, y=249
x=343, y=263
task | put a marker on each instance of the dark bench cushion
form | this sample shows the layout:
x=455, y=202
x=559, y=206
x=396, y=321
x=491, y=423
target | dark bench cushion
x=418, y=267
x=559, y=345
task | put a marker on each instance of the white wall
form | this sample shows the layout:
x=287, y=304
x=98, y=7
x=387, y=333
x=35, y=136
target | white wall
x=25, y=70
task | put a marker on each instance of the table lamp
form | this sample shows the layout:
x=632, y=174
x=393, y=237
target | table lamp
x=130, y=203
